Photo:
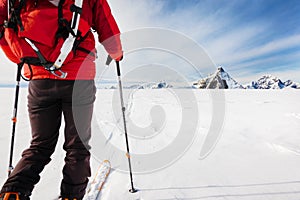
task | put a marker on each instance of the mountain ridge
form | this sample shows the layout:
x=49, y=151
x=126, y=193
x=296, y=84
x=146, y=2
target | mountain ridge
x=222, y=80
x=272, y=82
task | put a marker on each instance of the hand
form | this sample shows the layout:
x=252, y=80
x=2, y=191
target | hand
x=109, y=59
x=119, y=59
x=117, y=56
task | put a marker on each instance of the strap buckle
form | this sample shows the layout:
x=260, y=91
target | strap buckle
x=57, y=72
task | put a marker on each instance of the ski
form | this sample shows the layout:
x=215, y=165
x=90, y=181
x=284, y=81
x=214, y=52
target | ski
x=95, y=186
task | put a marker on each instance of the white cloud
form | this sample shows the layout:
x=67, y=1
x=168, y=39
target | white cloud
x=133, y=14
x=271, y=47
x=227, y=47
x=294, y=56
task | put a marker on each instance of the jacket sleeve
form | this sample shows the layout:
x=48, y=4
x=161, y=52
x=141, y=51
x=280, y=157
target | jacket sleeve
x=3, y=43
x=3, y=16
x=107, y=29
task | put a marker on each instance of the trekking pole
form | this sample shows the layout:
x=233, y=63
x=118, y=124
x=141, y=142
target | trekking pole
x=109, y=59
x=14, y=118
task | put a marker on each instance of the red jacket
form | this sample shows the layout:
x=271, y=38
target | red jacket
x=95, y=14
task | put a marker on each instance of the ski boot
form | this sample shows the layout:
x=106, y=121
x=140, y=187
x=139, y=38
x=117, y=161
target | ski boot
x=66, y=198
x=13, y=196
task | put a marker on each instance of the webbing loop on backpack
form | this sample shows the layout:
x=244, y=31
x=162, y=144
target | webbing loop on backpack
x=77, y=11
x=47, y=65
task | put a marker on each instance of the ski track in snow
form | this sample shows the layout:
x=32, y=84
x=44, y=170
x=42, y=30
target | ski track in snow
x=281, y=148
x=257, y=157
x=294, y=115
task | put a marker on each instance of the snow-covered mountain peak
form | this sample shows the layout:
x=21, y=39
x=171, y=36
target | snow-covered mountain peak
x=272, y=82
x=220, y=79
x=220, y=69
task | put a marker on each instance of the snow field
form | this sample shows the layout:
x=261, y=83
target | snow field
x=256, y=158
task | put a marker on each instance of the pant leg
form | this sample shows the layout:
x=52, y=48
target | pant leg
x=45, y=119
x=77, y=111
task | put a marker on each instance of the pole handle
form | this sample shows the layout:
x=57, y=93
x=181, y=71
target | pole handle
x=118, y=68
x=108, y=61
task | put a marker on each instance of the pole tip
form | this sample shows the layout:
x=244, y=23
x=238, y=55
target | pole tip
x=133, y=190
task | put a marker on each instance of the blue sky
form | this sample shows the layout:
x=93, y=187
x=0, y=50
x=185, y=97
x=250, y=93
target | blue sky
x=269, y=33
x=248, y=38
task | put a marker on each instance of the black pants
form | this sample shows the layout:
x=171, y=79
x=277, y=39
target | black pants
x=47, y=101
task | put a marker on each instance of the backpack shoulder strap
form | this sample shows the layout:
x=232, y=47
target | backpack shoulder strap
x=69, y=42
x=64, y=28
x=14, y=12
